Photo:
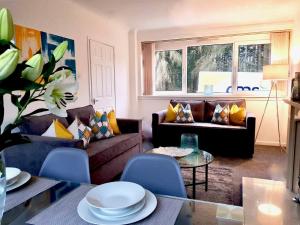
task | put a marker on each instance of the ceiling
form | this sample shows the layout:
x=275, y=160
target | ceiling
x=153, y=14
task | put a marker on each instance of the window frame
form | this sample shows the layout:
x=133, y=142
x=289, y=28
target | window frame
x=236, y=40
x=236, y=68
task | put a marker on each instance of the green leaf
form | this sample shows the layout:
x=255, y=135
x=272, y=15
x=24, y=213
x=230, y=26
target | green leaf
x=10, y=85
x=8, y=43
x=15, y=100
x=36, y=100
x=49, y=68
x=35, y=112
x=25, y=98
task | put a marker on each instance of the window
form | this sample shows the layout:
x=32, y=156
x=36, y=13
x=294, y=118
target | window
x=209, y=65
x=168, y=70
x=213, y=65
x=251, y=59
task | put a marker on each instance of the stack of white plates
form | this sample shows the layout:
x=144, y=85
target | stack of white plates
x=117, y=203
x=15, y=178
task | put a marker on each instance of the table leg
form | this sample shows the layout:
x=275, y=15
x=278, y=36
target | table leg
x=194, y=182
x=206, y=177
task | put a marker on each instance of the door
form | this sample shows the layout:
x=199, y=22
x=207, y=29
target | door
x=102, y=75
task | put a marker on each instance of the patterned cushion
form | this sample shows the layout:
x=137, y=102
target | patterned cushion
x=221, y=115
x=101, y=127
x=85, y=134
x=184, y=115
x=81, y=131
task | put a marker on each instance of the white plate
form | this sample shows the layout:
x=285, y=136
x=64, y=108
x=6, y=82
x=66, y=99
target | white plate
x=23, y=178
x=131, y=210
x=12, y=174
x=149, y=207
x=114, y=197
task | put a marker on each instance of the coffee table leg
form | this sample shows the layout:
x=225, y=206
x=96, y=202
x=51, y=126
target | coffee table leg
x=206, y=177
x=194, y=182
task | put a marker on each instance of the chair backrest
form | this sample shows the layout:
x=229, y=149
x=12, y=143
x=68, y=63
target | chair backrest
x=70, y=164
x=159, y=174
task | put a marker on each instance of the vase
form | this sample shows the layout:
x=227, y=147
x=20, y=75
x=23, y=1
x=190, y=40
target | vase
x=190, y=141
x=2, y=184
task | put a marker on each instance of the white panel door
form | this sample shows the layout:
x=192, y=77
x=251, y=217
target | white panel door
x=102, y=75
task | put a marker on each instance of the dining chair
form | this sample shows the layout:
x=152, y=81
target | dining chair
x=159, y=174
x=69, y=164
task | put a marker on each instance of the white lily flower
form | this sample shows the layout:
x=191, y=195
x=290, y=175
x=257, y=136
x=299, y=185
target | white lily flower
x=60, y=75
x=59, y=93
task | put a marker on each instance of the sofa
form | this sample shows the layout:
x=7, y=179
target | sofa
x=227, y=140
x=107, y=157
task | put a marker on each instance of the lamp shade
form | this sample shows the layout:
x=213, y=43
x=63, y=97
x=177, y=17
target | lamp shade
x=276, y=72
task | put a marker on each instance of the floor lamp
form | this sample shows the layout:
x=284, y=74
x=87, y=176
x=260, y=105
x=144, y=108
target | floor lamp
x=275, y=73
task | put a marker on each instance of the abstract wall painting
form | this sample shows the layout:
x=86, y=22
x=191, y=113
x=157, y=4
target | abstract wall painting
x=30, y=41
x=51, y=41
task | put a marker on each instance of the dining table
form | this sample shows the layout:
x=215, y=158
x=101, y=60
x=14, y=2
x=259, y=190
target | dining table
x=44, y=201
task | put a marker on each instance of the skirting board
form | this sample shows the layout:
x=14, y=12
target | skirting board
x=270, y=143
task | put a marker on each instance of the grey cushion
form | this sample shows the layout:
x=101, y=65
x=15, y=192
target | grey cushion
x=82, y=113
x=37, y=125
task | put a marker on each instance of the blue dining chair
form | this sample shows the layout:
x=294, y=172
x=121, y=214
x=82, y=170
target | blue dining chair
x=159, y=174
x=69, y=164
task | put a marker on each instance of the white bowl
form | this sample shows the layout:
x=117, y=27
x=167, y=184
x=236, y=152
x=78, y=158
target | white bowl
x=12, y=175
x=116, y=197
x=126, y=212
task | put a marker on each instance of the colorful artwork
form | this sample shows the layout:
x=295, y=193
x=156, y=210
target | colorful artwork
x=30, y=41
x=50, y=42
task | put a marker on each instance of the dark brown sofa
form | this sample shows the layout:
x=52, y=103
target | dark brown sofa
x=226, y=140
x=107, y=157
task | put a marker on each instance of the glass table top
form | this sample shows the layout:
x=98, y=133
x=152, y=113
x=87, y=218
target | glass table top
x=196, y=159
x=193, y=212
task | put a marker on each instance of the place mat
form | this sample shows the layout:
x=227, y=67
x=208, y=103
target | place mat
x=35, y=186
x=64, y=212
x=173, y=151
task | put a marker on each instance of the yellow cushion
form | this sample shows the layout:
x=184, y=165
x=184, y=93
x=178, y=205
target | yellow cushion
x=171, y=113
x=113, y=122
x=237, y=115
x=61, y=131
x=98, y=114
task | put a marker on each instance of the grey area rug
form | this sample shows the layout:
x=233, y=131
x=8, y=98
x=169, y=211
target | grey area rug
x=220, y=184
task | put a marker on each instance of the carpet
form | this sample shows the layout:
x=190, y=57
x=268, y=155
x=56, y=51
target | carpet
x=220, y=184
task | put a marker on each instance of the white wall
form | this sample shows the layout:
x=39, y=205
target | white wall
x=268, y=133
x=67, y=19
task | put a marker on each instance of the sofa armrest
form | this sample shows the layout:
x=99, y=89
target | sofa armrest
x=250, y=125
x=250, y=121
x=56, y=142
x=130, y=125
x=157, y=118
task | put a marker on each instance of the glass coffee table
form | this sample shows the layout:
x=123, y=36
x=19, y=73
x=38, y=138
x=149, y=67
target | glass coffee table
x=196, y=159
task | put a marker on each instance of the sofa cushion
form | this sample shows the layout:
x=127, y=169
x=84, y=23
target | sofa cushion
x=82, y=113
x=102, y=151
x=37, y=125
x=221, y=115
x=207, y=125
x=197, y=107
x=211, y=105
x=184, y=114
